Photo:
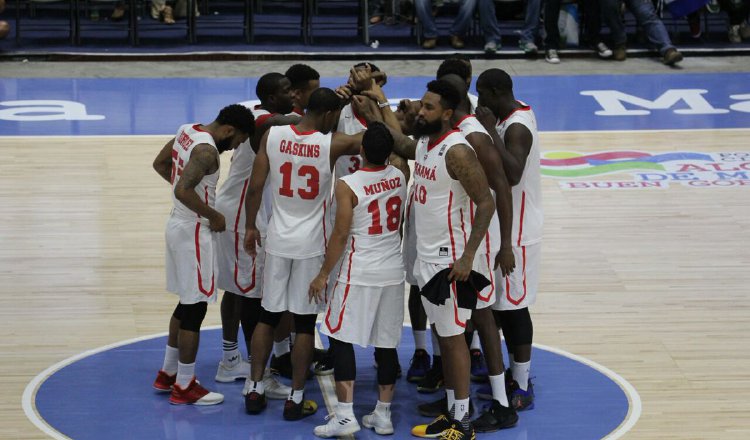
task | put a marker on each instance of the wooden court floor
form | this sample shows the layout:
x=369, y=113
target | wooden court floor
x=652, y=284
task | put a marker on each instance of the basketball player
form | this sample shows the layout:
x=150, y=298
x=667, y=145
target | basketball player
x=513, y=127
x=190, y=162
x=460, y=65
x=367, y=302
x=448, y=177
x=297, y=160
x=239, y=275
x=304, y=80
x=360, y=78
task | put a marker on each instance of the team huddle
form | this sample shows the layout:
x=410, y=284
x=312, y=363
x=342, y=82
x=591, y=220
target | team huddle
x=320, y=214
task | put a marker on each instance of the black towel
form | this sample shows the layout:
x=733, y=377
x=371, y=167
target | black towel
x=438, y=289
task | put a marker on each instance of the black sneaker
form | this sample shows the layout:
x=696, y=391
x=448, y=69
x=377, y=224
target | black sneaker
x=519, y=399
x=457, y=432
x=282, y=365
x=296, y=411
x=433, y=380
x=324, y=367
x=479, y=371
x=496, y=417
x=418, y=367
x=433, y=429
x=255, y=402
x=319, y=354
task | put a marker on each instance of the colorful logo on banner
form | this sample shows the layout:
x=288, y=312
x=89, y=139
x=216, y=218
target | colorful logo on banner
x=605, y=170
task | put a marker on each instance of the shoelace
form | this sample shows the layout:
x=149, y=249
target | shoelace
x=452, y=434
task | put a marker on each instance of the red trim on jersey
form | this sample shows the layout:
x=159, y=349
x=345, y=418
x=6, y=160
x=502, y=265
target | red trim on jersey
x=359, y=118
x=302, y=133
x=523, y=108
x=262, y=118
x=325, y=238
x=492, y=278
x=507, y=283
x=298, y=111
x=237, y=245
x=197, y=127
x=520, y=221
x=450, y=225
x=431, y=145
x=374, y=168
x=346, y=295
x=455, y=306
x=198, y=257
x=455, y=127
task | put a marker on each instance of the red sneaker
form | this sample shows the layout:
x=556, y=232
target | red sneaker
x=194, y=394
x=164, y=382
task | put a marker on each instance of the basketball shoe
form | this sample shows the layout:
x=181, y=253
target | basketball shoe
x=194, y=394
x=479, y=371
x=164, y=382
x=296, y=411
x=418, y=367
x=519, y=399
x=379, y=422
x=226, y=373
x=273, y=389
x=496, y=417
x=433, y=380
x=432, y=430
x=337, y=427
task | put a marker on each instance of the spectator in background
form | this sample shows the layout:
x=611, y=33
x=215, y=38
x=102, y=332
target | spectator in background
x=490, y=28
x=645, y=15
x=593, y=27
x=160, y=10
x=4, y=26
x=458, y=30
x=737, y=11
x=530, y=28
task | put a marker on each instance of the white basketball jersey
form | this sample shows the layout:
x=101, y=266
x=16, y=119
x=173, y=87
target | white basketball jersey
x=349, y=123
x=188, y=136
x=528, y=217
x=230, y=200
x=441, y=205
x=467, y=125
x=373, y=250
x=299, y=182
x=473, y=102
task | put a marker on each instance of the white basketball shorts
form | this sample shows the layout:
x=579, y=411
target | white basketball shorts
x=518, y=290
x=238, y=272
x=190, y=261
x=286, y=283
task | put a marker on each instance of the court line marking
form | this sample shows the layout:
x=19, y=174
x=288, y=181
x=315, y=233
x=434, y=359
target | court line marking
x=29, y=393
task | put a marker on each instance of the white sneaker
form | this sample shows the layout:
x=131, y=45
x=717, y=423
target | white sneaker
x=734, y=34
x=382, y=425
x=273, y=389
x=337, y=427
x=603, y=51
x=552, y=57
x=240, y=370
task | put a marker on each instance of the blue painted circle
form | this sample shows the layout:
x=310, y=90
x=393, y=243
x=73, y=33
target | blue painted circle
x=109, y=395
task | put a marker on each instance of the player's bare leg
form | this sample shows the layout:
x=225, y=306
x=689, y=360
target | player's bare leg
x=232, y=367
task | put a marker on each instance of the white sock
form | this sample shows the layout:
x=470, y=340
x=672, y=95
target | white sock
x=296, y=395
x=258, y=387
x=462, y=409
x=171, y=355
x=343, y=410
x=383, y=409
x=231, y=353
x=521, y=373
x=281, y=348
x=498, y=388
x=420, y=339
x=435, y=344
x=292, y=337
x=185, y=373
x=451, y=394
x=475, y=342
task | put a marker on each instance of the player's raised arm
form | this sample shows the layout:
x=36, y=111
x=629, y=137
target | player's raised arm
x=204, y=160
x=463, y=165
x=269, y=122
x=254, y=196
x=345, y=145
x=346, y=200
x=163, y=161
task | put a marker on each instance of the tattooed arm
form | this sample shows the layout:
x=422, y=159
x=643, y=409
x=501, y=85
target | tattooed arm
x=163, y=162
x=204, y=160
x=463, y=165
x=492, y=164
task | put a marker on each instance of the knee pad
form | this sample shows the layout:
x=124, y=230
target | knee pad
x=250, y=311
x=270, y=318
x=519, y=325
x=305, y=324
x=387, y=360
x=344, y=364
x=192, y=316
